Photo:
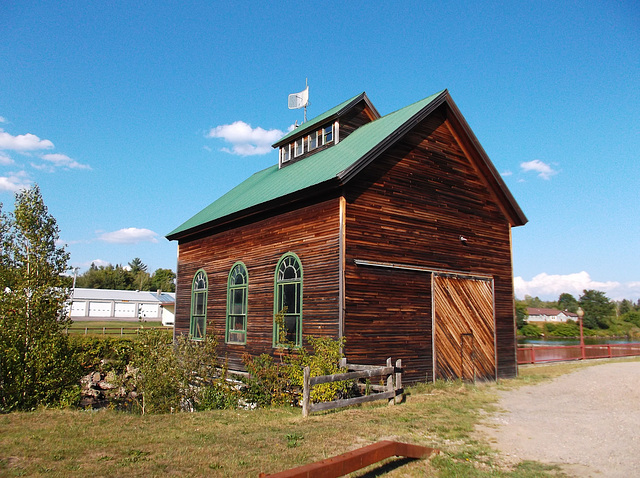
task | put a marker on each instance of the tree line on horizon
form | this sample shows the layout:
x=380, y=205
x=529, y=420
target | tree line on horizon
x=133, y=277
x=601, y=314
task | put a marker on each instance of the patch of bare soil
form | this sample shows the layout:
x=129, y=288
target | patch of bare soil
x=587, y=422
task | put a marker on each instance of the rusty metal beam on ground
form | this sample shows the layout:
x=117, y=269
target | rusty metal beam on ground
x=354, y=460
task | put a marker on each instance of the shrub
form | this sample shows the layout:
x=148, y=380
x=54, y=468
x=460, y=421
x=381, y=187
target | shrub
x=565, y=330
x=530, y=330
x=170, y=376
x=218, y=395
x=324, y=360
x=278, y=383
x=103, y=353
x=268, y=382
x=632, y=317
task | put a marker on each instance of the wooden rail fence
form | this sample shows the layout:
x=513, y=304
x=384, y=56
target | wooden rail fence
x=390, y=391
x=107, y=330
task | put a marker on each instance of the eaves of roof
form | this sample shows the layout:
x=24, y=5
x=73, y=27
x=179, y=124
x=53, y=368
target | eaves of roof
x=331, y=167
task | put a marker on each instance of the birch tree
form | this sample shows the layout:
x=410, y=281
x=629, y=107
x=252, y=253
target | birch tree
x=36, y=363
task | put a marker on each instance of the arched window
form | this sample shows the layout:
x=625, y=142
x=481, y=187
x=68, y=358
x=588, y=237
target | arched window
x=199, y=287
x=237, y=286
x=288, y=302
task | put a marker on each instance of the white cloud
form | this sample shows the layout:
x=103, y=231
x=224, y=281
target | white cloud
x=98, y=263
x=5, y=160
x=543, y=169
x=130, y=235
x=245, y=140
x=14, y=182
x=62, y=160
x=3, y=119
x=506, y=173
x=23, y=142
x=549, y=287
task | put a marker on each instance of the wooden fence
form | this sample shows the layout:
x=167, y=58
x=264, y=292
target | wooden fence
x=392, y=378
x=541, y=354
x=107, y=330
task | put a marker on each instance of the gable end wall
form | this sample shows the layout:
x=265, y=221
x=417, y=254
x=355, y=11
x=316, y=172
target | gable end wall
x=410, y=206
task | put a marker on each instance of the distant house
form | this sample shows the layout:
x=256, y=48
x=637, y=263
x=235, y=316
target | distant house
x=107, y=304
x=550, y=315
x=393, y=232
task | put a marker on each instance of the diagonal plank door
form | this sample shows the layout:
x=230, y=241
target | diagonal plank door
x=464, y=328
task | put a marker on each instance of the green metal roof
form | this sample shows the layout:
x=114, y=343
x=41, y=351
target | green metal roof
x=330, y=164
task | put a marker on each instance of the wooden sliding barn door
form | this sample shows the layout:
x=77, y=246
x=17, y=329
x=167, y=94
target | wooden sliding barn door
x=464, y=328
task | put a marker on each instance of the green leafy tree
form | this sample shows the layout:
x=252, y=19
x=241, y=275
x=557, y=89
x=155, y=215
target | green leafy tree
x=567, y=302
x=521, y=314
x=163, y=279
x=140, y=277
x=625, y=306
x=106, y=277
x=598, y=309
x=133, y=277
x=36, y=361
x=633, y=317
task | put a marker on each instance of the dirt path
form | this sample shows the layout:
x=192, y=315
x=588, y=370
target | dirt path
x=587, y=421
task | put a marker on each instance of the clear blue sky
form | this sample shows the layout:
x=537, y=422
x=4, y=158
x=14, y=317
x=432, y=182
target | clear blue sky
x=128, y=114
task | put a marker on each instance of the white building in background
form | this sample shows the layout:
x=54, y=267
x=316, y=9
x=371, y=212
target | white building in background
x=550, y=315
x=108, y=304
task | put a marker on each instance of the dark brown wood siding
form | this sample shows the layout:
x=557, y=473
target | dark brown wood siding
x=310, y=232
x=410, y=206
x=352, y=120
x=388, y=314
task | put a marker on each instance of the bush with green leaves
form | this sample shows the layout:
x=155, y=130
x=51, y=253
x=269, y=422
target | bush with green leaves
x=267, y=383
x=277, y=383
x=632, y=317
x=565, y=330
x=103, y=354
x=170, y=376
x=530, y=330
x=324, y=360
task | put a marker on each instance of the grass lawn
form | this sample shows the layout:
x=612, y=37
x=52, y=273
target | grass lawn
x=244, y=443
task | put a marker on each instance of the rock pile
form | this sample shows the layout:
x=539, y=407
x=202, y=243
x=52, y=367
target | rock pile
x=99, y=389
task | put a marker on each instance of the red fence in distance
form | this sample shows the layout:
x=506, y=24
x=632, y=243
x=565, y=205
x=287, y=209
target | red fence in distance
x=531, y=354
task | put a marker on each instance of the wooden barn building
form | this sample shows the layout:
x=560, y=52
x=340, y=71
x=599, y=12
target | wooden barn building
x=393, y=232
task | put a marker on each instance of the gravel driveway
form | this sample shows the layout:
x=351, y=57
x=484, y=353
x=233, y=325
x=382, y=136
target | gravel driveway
x=587, y=421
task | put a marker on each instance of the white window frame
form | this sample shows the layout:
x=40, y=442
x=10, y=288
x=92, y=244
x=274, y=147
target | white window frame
x=298, y=147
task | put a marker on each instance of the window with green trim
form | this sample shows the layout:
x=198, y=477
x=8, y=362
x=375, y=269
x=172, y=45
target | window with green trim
x=198, y=324
x=288, y=302
x=237, y=287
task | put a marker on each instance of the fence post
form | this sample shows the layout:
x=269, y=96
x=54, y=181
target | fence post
x=343, y=362
x=533, y=355
x=398, y=378
x=609, y=350
x=390, y=382
x=306, y=391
